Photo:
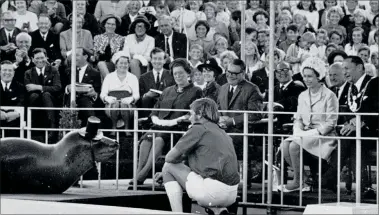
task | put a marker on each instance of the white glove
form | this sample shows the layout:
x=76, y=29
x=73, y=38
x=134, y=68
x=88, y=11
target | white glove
x=110, y=99
x=12, y=116
x=127, y=100
x=169, y=123
x=141, y=58
x=155, y=120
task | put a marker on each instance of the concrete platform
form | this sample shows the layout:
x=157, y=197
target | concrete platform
x=342, y=208
x=15, y=206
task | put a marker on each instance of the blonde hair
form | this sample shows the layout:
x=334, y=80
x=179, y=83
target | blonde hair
x=335, y=9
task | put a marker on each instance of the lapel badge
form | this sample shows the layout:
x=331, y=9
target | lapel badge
x=207, y=62
x=10, y=90
x=85, y=74
x=45, y=76
x=49, y=81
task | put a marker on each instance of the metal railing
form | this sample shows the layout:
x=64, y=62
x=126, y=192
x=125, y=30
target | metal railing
x=246, y=134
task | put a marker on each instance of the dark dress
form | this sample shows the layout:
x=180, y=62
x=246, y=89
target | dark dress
x=171, y=98
x=211, y=91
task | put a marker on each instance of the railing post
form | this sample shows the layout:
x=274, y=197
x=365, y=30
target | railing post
x=245, y=157
x=358, y=158
x=135, y=146
x=29, y=134
x=22, y=119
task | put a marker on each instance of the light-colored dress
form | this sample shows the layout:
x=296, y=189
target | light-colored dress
x=308, y=125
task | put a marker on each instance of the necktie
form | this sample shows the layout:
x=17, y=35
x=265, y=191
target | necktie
x=167, y=48
x=9, y=38
x=41, y=78
x=354, y=90
x=158, y=80
x=6, y=91
x=230, y=94
x=44, y=37
x=78, y=76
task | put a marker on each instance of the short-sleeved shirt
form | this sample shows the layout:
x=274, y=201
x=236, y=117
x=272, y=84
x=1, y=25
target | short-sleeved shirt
x=210, y=153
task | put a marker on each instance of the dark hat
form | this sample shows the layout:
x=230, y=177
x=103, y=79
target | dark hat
x=140, y=18
x=211, y=64
x=91, y=130
x=333, y=54
x=108, y=16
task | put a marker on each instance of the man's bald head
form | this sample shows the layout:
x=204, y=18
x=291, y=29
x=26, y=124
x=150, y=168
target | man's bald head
x=336, y=74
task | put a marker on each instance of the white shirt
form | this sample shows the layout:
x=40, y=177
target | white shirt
x=340, y=91
x=203, y=86
x=170, y=44
x=28, y=17
x=233, y=88
x=133, y=17
x=81, y=73
x=359, y=83
x=284, y=86
x=39, y=71
x=112, y=83
x=5, y=85
x=155, y=74
x=44, y=36
x=7, y=33
x=142, y=48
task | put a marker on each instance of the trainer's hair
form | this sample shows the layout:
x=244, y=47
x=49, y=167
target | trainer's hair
x=207, y=108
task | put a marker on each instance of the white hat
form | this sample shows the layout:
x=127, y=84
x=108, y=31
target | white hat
x=119, y=54
x=315, y=63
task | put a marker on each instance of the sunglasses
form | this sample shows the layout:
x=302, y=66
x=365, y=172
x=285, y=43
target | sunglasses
x=233, y=73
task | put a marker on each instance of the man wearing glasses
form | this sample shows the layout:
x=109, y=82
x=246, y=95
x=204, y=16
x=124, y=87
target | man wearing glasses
x=286, y=92
x=239, y=94
x=8, y=37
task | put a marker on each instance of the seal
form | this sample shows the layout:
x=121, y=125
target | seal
x=28, y=166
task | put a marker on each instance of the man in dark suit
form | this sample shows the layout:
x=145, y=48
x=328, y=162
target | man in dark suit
x=239, y=94
x=286, y=92
x=85, y=74
x=157, y=79
x=173, y=43
x=340, y=87
x=359, y=102
x=23, y=61
x=8, y=36
x=260, y=77
x=43, y=85
x=11, y=94
x=45, y=38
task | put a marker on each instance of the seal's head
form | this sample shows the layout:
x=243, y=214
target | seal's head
x=102, y=148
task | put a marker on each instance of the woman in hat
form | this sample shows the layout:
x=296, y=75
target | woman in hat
x=307, y=126
x=139, y=45
x=84, y=38
x=107, y=44
x=178, y=96
x=210, y=71
x=120, y=89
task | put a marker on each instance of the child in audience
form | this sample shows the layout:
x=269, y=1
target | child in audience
x=198, y=79
x=291, y=37
x=356, y=41
x=337, y=38
x=195, y=55
x=194, y=6
x=320, y=44
x=283, y=21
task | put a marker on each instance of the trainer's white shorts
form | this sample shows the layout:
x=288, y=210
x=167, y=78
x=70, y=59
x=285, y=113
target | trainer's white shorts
x=210, y=193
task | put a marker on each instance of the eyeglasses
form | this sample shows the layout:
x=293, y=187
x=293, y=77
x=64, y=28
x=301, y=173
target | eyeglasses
x=9, y=20
x=233, y=73
x=282, y=71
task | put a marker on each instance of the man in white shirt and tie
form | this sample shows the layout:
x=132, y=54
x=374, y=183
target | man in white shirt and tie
x=43, y=86
x=89, y=84
x=8, y=36
x=157, y=79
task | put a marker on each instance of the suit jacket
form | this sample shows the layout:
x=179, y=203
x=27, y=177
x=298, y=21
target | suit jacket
x=51, y=45
x=288, y=98
x=148, y=82
x=91, y=76
x=179, y=44
x=21, y=70
x=15, y=96
x=123, y=29
x=261, y=79
x=246, y=97
x=343, y=105
x=52, y=80
x=4, y=41
x=86, y=41
x=370, y=104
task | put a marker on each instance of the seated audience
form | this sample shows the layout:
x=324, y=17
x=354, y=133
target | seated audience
x=25, y=20
x=54, y=9
x=133, y=11
x=89, y=76
x=12, y=94
x=316, y=99
x=43, y=85
x=157, y=79
x=226, y=58
x=210, y=70
x=84, y=39
x=195, y=55
x=43, y=37
x=120, y=89
x=211, y=176
x=107, y=44
x=139, y=45
x=23, y=60
x=178, y=96
x=8, y=36
x=119, y=8
x=201, y=30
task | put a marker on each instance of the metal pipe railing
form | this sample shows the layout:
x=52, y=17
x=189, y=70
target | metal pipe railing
x=246, y=135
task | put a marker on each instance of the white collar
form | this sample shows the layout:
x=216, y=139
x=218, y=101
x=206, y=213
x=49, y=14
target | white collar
x=160, y=71
x=234, y=87
x=9, y=32
x=42, y=35
x=201, y=86
x=358, y=83
x=5, y=84
x=343, y=85
x=133, y=17
x=83, y=68
x=170, y=36
x=286, y=85
x=40, y=70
